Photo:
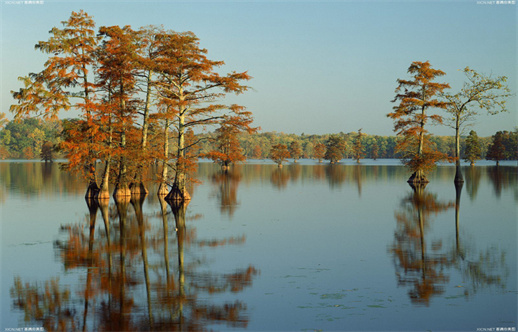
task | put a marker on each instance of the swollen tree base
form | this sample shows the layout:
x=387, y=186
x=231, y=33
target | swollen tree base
x=92, y=190
x=458, y=175
x=418, y=177
x=162, y=189
x=103, y=194
x=178, y=195
x=138, y=189
x=121, y=191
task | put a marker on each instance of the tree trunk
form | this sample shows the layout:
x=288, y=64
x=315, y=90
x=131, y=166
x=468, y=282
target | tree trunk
x=138, y=187
x=92, y=189
x=122, y=188
x=179, y=191
x=162, y=189
x=458, y=172
x=104, y=192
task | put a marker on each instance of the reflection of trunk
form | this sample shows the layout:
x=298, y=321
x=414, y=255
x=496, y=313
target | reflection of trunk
x=419, y=197
x=122, y=210
x=179, y=209
x=358, y=176
x=163, y=207
x=104, y=205
x=458, y=191
x=162, y=189
x=137, y=205
x=92, y=207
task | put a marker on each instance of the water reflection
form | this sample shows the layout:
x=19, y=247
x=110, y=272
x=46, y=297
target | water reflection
x=227, y=183
x=479, y=269
x=418, y=264
x=280, y=177
x=129, y=281
x=423, y=265
x=141, y=264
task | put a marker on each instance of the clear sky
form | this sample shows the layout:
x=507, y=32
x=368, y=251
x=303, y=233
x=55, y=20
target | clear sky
x=317, y=67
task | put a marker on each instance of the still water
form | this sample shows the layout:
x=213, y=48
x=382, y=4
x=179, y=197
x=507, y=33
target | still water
x=306, y=247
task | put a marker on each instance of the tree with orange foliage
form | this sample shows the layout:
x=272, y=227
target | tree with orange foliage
x=257, y=153
x=228, y=149
x=117, y=77
x=279, y=153
x=319, y=152
x=188, y=83
x=66, y=75
x=415, y=98
x=3, y=120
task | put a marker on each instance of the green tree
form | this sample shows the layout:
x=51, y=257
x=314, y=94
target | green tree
x=511, y=144
x=496, y=150
x=375, y=150
x=482, y=91
x=416, y=97
x=473, y=151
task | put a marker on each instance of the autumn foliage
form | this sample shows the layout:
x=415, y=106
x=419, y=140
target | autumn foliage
x=134, y=89
x=416, y=97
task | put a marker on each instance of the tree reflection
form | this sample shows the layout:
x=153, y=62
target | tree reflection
x=280, y=178
x=418, y=265
x=479, y=269
x=336, y=175
x=424, y=266
x=358, y=177
x=472, y=177
x=131, y=282
x=227, y=183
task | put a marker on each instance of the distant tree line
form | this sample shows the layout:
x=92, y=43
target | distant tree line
x=26, y=139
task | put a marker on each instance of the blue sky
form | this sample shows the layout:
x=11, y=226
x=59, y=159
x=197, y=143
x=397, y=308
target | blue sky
x=318, y=67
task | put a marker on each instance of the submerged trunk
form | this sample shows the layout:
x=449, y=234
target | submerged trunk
x=92, y=189
x=179, y=190
x=418, y=177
